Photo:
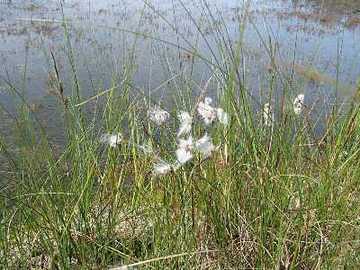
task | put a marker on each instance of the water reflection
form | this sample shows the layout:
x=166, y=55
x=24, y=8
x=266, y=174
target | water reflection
x=329, y=12
x=332, y=6
x=29, y=30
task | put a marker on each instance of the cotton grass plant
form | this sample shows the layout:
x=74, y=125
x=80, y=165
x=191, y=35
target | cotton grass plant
x=225, y=183
x=186, y=145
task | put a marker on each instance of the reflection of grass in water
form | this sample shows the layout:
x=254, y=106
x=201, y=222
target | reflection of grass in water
x=314, y=75
x=341, y=6
x=270, y=197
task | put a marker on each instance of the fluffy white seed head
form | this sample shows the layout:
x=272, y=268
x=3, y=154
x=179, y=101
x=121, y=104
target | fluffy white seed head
x=146, y=148
x=184, y=151
x=268, y=114
x=299, y=104
x=111, y=139
x=208, y=100
x=222, y=116
x=206, y=111
x=161, y=167
x=205, y=146
x=158, y=115
x=183, y=155
x=186, y=143
x=185, y=123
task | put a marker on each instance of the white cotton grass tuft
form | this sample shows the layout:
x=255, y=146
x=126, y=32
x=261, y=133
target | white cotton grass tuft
x=222, y=116
x=184, y=151
x=205, y=146
x=185, y=123
x=183, y=156
x=162, y=167
x=209, y=113
x=268, y=114
x=146, y=148
x=158, y=115
x=111, y=139
x=298, y=104
x=208, y=100
x=186, y=143
x=206, y=111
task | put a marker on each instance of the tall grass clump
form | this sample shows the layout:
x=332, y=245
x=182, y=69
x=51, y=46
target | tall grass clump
x=227, y=182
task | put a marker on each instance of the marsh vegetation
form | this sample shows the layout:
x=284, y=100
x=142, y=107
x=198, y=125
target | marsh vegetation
x=179, y=135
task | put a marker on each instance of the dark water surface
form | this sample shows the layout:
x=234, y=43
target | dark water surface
x=319, y=39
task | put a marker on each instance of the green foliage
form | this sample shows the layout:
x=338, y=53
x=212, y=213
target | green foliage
x=270, y=197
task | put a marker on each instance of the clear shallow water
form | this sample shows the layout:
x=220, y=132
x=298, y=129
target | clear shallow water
x=324, y=34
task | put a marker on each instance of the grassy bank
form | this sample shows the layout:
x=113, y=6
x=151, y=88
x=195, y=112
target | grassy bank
x=274, y=193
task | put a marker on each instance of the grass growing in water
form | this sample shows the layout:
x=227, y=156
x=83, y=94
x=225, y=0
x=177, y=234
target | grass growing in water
x=272, y=194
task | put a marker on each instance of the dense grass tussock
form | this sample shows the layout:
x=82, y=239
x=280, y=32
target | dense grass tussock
x=268, y=196
x=264, y=189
